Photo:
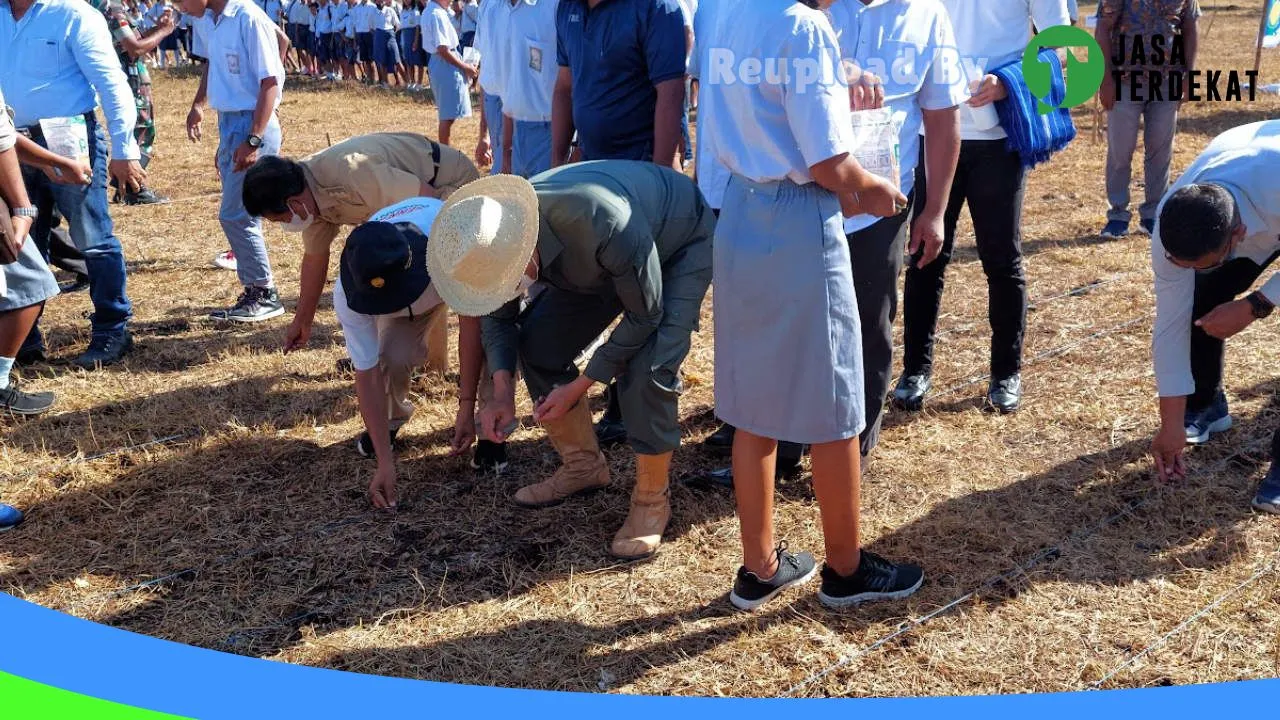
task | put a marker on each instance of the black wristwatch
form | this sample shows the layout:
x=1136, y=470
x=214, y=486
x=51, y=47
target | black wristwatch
x=254, y=141
x=1262, y=307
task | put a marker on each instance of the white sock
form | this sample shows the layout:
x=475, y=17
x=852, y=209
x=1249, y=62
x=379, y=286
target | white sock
x=6, y=365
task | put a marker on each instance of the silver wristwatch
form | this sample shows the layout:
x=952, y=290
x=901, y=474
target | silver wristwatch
x=27, y=212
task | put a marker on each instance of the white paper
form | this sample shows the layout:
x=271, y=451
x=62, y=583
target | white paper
x=877, y=143
x=68, y=137
x=470, y=56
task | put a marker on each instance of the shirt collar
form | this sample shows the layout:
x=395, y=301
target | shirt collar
x=325, y=202
x=231, y=9
x=549, y=244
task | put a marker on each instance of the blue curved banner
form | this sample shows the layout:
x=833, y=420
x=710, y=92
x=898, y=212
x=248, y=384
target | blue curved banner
x=60, y=651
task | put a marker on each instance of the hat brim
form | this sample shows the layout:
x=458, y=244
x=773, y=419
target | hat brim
x=401, y=290
x=518, y=199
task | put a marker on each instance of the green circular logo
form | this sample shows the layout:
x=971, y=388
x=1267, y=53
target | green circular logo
x=1083, y=78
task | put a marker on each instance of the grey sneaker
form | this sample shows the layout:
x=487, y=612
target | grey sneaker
x=255, y=305
x=17, y=402
x=750, y=591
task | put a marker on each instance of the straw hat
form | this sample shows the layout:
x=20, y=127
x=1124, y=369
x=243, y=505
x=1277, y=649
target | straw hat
x=481, y=242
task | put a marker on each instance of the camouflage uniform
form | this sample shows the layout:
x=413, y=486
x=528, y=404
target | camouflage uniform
x=136, y=71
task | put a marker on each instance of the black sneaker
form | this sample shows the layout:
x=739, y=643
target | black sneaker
x=105, y=350
x=489, y=457
x=1005, y=395
x=875, y=579
x=750, y=592
x=364, y=444
x=78, y=282
x=610, y=432
x=255, y=305
x=16, y=402
x=30, y=355
x=144, y=196
x=720, y=441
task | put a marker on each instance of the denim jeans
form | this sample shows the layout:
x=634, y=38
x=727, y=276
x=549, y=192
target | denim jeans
x=89, y=222
x=243, y=231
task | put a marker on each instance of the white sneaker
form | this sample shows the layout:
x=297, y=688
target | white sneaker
x=226, y=261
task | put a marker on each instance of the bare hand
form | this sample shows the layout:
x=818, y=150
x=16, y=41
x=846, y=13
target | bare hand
x=1107, y=93
x=471, y=72
x=297, y=336
x=926, y=238
x=867, y=92
x=382, y=489
x=464, y=429
x=484, y=152
x=1167, y=450
x=496, y=418
x=245, y=156
x=989, y=89
x=882, y=199
x=21, y=229
x=194, y=119
x=128, y=173
x=1227, y=319
x=559, y=402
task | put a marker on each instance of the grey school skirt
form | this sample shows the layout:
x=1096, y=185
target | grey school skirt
x=27, y=280
x=788, y=346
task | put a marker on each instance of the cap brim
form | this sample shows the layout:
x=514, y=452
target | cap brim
x=400, y=291
x=518, y=198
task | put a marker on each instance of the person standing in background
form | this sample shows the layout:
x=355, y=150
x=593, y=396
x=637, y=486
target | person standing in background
x=64, y=78
x=1121, y=25
x=450, y=76
x=366, y=14
x=530, y=83
x=386, y=49
x=298, y=18
x=244, y=82
x=990, y=179
x=491, y=42
x=470, y=16
x=338, y=10
x=409, y=18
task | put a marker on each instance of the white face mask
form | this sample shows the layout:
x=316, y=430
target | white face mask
x=297, y=224
x=526, y=282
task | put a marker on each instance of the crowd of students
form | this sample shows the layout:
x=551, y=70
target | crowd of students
x=587, y=219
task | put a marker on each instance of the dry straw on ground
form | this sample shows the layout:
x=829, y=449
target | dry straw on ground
x=249, y=531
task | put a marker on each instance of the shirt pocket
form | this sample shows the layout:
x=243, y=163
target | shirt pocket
x=537, y=56
x=42, y=58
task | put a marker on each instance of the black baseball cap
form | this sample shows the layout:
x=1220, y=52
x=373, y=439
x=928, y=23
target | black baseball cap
x=384, y=267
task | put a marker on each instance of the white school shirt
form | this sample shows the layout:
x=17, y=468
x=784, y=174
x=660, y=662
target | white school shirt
x=530, y=66
x=364, y=14
x=1243, y=160
x=324, y=20
x=272, y=9
x=409, y=19
x=349, y=24
x=470, y=13
x=713, y=176
x=242, y=50
x=338, y=14
x=360, y=332
x=489, y=39
x=991, y=34
x=298, y=13
x=386, y=19
x=911, y=48
x=439, y=30
x=776, y=125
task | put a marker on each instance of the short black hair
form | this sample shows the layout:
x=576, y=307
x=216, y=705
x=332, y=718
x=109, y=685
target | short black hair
x=1197, y=220
x=270, y=183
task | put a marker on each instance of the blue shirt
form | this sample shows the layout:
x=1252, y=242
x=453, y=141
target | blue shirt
x=52, y=62
x=617, y=54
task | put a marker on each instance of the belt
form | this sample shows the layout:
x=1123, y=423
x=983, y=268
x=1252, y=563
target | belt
x=435, y=158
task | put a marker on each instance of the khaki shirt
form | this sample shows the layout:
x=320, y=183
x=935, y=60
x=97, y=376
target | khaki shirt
x=362, y=175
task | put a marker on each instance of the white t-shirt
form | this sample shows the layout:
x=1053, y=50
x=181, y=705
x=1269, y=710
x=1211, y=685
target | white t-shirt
x=242, y=52
x=361, y=331
x=438, y=30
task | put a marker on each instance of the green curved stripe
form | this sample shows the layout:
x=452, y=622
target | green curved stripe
x=27, y=700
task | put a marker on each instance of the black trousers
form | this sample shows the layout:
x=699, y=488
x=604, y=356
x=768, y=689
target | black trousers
x=991, y=180
x=877, y=255
x=1208, y=353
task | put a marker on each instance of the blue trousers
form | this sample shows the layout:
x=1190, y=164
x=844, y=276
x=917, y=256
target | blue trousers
x=530, y=148
x=493, y=115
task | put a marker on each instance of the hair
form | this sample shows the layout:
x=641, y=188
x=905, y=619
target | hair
x=1197, y=220
x=270, y=183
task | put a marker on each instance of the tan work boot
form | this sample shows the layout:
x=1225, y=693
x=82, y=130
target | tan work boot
x=641, y=534
x=582, y=467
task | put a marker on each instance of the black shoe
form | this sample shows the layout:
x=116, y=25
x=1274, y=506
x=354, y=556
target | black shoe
x=723, y=477
x=489, y=457
x=16, y=402
x=750, y=592
x=30, y=356
x=610, y=432
x=105, y=350
x=1006, y=395
x=254, y=305
x=144, y=196
x=875, y=579
x=364, y=444
x=720, y=441
x=79, y=282
x=910, y=392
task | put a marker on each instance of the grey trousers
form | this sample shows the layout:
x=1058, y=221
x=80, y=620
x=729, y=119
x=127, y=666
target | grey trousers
x=1160, y=122
x=558, y=325
x=877, y=257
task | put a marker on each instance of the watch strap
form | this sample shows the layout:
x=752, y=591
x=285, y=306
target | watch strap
x=1262, y=307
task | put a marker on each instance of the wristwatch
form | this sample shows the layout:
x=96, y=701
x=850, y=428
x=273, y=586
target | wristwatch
x=1262, y=307
x=254, y=141
x=26, y=212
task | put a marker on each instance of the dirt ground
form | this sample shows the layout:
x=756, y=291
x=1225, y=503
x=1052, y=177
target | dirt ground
x=206, y=490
